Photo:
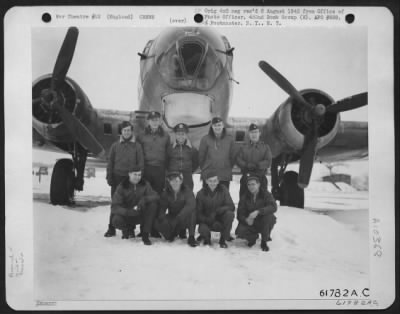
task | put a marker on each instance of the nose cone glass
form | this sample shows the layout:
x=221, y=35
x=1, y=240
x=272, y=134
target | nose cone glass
x=190, y=64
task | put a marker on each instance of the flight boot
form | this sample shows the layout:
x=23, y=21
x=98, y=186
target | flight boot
x=264, y=246
x=145, y=238
x=222, y=243
x=251, y=243
x=182, y=234
x=207, y=241
x=125, y=233
x=110, y=232
x=131, y=233
x=192, y=242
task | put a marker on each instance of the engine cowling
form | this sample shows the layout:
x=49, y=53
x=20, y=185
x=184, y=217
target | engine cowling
x=290, y=122
x=46, y=119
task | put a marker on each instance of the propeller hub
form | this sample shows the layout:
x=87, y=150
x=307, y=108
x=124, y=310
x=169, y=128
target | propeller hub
x=49, y=97
x=319, y=110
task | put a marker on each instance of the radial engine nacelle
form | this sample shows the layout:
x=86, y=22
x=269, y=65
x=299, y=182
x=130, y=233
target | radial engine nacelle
x=46, y=118
x=285, y=131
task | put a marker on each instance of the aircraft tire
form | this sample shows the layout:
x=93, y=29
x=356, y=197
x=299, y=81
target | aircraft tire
x=62, y=183
x=290, y=193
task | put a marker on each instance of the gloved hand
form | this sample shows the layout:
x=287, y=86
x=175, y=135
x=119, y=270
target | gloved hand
x=110, y=181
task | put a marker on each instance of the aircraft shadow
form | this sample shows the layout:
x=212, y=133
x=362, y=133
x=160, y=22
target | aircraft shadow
x=81, y=205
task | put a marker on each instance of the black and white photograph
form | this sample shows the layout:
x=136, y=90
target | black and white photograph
x=200, y=163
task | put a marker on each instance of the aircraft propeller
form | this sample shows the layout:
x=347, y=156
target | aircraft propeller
x=53, y=98
x=316, y=113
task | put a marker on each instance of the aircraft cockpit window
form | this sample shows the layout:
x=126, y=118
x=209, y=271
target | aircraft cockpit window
x=190, y=64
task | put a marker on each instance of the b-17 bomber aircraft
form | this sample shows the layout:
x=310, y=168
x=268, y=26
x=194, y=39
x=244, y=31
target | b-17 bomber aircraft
x=186, y=75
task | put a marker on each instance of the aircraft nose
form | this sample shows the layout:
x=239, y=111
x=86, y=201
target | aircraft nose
x=190, y=64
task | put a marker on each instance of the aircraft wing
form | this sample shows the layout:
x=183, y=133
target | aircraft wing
x=350, y=142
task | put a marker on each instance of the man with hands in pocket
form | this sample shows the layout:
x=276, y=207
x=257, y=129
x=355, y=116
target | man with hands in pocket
x=256, y=213
x=134, y=202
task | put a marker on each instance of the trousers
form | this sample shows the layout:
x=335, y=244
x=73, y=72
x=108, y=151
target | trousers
x=145, y=219
x=262, y=225
x=170, y=226
x=222, y=224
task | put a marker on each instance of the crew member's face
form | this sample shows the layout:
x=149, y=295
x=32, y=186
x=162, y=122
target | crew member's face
x=126, y=132
x=180, y=137
x=254, y=135
x=175, y=183
x=253, y=186
x=154, y=123
x=218, y=127
x=134, y=177
x=212, y=182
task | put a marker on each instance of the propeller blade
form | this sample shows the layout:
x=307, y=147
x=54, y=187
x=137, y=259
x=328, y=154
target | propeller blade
x=283, y=83
x=79, y=131
x=64, y=58
x=307, y=157
x=36, y=100
x=349, y=103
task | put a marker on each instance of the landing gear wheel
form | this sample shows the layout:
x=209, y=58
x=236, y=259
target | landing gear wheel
x=62, y=183
x=290, y=193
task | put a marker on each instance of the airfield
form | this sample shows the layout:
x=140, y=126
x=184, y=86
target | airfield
x=323, y=246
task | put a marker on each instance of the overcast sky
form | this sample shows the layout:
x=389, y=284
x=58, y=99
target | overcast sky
x=106, y=64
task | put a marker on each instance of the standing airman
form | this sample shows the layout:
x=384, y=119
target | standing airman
x=124, y=154
x=254, y=157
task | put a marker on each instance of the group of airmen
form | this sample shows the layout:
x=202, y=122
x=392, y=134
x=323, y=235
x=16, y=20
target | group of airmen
x=151, y=181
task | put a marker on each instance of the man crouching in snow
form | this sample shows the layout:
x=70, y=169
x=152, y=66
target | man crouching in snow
x=134, y=202
x=215, y=210
x=256, y=213
x=181, y=204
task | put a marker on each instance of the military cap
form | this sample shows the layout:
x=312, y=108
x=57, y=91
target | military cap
x=174, y=174
x=181, y=127
x=125, y=124
x=252, y=176
x=134, y=169
x=253, y=127
x=210, y=174
x=216, y=120
x=153, y=115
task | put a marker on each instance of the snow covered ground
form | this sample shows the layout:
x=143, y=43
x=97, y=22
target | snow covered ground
x=324, y=246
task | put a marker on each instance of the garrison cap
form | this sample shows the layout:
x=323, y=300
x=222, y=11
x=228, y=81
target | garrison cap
x=153, y=115
x=125, y=124
x=253, y=127
x=216, y=120
x=174, y=174
x=181, y=127
x=134, y=169
x=252, y=176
